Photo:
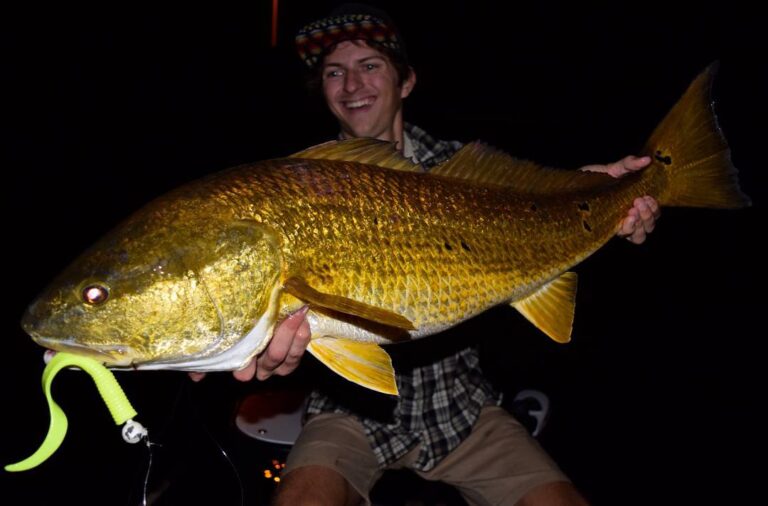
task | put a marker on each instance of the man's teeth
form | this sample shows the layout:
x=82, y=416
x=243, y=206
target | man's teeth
x=359, y=103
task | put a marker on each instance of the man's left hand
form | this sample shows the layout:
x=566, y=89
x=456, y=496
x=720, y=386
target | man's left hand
x=642, y=217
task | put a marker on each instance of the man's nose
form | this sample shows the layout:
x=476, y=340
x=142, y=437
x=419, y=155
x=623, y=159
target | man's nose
x=352, y=82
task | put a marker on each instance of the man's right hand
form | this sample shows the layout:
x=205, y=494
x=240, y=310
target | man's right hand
x=283, y=352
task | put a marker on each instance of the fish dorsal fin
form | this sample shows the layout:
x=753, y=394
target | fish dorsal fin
x=362, y=150
x=366, y=364
x=300, y=289
x=551, y=307
x=482, y=164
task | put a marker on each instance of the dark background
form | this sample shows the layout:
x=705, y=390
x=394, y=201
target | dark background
x=655, y=400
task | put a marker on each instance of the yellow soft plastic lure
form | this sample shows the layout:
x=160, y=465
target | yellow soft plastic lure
x=118, y=404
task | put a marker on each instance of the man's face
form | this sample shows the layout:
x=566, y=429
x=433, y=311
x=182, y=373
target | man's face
x=361, y=90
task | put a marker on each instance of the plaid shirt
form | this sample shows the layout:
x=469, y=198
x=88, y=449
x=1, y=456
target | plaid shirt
x=439, y=401
x=427, y=150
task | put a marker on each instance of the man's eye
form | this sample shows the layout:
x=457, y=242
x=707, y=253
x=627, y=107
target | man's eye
x=333, y=73
x=371, y=66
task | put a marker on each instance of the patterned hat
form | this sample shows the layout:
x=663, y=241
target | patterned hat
x=349, y=22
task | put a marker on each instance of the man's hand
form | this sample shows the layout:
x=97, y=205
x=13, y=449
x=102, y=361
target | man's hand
x=283, y=353
x=642, y=217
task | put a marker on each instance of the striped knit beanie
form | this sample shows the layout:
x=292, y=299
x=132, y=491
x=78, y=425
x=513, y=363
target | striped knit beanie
x=348, y=22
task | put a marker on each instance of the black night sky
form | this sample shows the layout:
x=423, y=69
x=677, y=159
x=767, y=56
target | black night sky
x=654, y=401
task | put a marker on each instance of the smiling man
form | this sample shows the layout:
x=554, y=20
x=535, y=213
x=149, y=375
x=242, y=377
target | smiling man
x=446, y=425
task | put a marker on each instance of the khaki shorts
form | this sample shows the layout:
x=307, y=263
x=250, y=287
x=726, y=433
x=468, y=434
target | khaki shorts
x=497, y=464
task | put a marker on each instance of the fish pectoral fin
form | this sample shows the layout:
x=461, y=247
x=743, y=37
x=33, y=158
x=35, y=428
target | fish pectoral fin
x=551, y=307
x=366, y=364
x=300, y=289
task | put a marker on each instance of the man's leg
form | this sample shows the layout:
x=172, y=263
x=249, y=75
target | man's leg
x=331, y=463
x=315, y=485
x=501, y=464
x=560, y=493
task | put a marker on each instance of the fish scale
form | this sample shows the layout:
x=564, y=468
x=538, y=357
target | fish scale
x=506, y=256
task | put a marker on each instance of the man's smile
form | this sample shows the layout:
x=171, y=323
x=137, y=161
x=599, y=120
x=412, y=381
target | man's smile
x=359, y=104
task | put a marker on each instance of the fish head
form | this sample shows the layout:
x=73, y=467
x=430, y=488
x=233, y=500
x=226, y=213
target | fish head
x=165, y=294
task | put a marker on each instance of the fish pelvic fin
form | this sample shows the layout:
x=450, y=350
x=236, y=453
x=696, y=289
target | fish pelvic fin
x=300, y=289
x=366, y=364
x=693, y=153
x=361, y=150
x=551, y=308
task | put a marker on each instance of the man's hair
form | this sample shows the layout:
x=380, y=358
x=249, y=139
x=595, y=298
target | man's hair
x=353, y=22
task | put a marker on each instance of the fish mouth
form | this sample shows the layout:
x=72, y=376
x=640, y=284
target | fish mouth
x=119, y=356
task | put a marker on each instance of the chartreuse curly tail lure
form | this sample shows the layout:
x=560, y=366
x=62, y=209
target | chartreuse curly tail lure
x=118, y=404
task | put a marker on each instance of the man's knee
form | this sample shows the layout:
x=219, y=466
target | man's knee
x=315, y=485
x=559, y=493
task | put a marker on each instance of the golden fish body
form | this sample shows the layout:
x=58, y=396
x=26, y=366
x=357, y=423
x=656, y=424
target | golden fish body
x=434, y=250
x=381, y=251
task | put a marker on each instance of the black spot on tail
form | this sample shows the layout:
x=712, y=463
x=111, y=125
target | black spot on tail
x=666, y=160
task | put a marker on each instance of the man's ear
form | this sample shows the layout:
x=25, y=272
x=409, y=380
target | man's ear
x=408, y=83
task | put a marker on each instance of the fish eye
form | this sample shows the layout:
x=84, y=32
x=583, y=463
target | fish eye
x=95, y=294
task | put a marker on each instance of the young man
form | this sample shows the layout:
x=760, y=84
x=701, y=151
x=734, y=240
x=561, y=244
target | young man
x=446, y=424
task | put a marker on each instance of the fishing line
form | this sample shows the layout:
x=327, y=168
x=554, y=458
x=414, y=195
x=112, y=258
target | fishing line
x=227, y=458
x=149, y=444
x=183, y=393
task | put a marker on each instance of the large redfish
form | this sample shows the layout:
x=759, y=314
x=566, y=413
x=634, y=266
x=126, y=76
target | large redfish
x=381, y=251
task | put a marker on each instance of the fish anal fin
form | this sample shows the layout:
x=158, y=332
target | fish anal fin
x=361, y=150
x=551, y=308
x=366, y=364
x=300, y=289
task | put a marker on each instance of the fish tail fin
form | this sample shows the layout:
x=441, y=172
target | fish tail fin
x=694, y=154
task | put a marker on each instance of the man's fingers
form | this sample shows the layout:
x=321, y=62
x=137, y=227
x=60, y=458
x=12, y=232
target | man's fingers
x=291, y=325
x=641, y=220
x=638, y=237
x=632, y=163
x=281, y=342
x=629, y=225
x=649, y=212
x=196, y=376
x=646, y=215
x=280, y=346
x=298, y=347
x=654, y=206
x=246, y=373
x=620, y=168
x=631, y=228
x=276, y=351
x=649, y=223
x=272, y=357
x=627, y=165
